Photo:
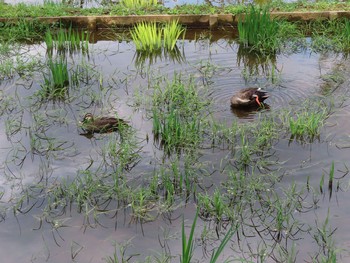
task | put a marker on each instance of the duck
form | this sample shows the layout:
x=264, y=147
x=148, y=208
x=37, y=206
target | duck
x=92, y=124
x=249, y=97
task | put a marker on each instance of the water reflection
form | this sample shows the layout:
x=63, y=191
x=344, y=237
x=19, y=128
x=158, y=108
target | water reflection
x=248, y=113
x=143, y=59
x=254, y=62
x=72, y=186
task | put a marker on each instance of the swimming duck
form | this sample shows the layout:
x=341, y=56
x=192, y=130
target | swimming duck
x=101, y=124
x=249, y=97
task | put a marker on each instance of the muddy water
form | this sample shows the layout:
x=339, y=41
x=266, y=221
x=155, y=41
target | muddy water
x=224, y=69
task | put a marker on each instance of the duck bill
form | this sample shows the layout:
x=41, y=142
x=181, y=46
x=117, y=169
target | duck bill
x=257, y=101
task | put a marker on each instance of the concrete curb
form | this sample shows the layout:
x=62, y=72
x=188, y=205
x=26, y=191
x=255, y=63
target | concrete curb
x=191, y=21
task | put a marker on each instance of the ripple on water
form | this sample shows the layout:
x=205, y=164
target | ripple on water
x=222, y=69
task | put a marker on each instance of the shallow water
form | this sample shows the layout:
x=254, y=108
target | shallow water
x=224, y=69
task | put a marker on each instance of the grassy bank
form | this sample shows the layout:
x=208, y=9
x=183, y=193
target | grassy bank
x=47, y=10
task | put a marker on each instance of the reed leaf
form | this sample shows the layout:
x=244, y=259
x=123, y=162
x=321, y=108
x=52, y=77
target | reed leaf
x=258, y=31
x=171, y=33
x=187, y=245
x=138, y=4
x=147, y=37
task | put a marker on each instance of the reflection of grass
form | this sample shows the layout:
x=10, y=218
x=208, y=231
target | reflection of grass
x=143, y=59
x=256, y=63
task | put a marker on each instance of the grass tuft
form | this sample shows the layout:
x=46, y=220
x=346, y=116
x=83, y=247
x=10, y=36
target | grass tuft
x=258, y=30
x=56, y=81
x=150, y=37
x=139, y=4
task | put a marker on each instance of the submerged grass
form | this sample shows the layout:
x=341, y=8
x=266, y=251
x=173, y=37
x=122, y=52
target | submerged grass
x=306, y=123
x=21, y=30
x=331, y=35
x=56, y=81
x=177, y=113
x=246, y=193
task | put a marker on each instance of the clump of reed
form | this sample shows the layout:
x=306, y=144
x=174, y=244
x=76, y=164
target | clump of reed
x=307, y=124
x=22, y=30
x=138, y=4
x=151, y=37
x=331, y=35
x=67, y=40
x=147, y=36
x=259, y=32
x=171, y=33
x=56, y=80
x=177, y=114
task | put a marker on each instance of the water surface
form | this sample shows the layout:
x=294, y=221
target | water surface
x=116, y=85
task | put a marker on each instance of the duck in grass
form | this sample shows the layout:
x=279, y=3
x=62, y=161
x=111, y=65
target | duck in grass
x=249, y=97
x=92, y=124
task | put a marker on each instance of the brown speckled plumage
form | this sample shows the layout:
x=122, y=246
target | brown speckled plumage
x=249, y=97
x=101, y=124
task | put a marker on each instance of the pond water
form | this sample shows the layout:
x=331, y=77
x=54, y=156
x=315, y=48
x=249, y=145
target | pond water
x=42, y=147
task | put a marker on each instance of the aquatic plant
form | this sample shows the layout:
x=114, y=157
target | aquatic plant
x=331, y=35
x=150, y=37
x=147, y=36
x=188, y=244
x=55, y=8
x=56, y=81
x=138, y=4
x=67, y=40
x=171, y=33
x=177, y=114
x=21, y=30
x=307, y=123
x=258, y=30
x=323, y=235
